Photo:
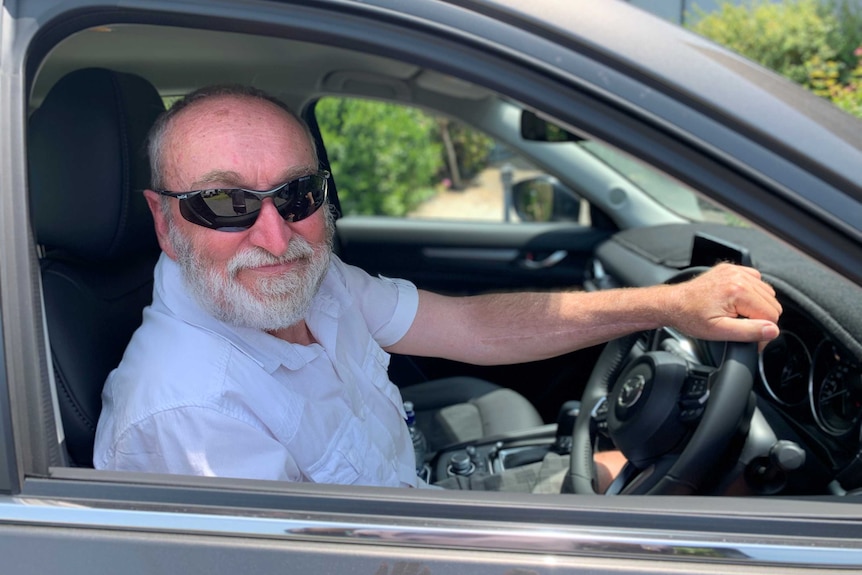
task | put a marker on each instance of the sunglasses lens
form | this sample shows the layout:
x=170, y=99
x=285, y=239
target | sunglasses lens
x=236, y=210
x=230, y=203
x=301, y=198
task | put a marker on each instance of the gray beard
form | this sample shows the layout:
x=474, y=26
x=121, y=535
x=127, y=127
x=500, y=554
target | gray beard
x=279, y=302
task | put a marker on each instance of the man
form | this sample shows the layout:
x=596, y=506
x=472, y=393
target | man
x=264, y=356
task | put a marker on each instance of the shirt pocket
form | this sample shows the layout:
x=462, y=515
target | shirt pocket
x=340, y=463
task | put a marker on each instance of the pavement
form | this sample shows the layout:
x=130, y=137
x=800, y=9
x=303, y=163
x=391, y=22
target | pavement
x=481, y=199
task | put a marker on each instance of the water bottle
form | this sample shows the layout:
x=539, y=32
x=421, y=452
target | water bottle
x=420, y=445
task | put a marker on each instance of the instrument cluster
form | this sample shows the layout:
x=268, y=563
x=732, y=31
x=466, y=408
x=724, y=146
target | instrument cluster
x=807, y=373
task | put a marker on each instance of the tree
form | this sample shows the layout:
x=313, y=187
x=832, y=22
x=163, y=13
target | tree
x=385, y=157
x=813, y=43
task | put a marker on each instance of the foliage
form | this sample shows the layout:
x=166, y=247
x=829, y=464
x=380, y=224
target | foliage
x=824, y=79
x=814, y=43
x=849, y=17
x=781, y=36
x=385, y=157
x=471, y=148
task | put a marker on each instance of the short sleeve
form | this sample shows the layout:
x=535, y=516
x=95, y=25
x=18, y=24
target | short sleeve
x=388, y=306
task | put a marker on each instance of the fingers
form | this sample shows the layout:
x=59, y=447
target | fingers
x=744, y=329
x=730, y=302
x=756, y=299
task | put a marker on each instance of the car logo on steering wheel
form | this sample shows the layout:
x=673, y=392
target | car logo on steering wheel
x=631, y=391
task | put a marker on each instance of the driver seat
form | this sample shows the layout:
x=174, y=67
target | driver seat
x=87, y=167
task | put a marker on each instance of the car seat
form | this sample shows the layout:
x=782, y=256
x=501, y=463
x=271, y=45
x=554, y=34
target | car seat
x=463, y=409
x=87, y=167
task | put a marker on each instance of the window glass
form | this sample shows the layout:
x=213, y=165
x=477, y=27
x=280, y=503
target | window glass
x=667, y=191
x=399, y=161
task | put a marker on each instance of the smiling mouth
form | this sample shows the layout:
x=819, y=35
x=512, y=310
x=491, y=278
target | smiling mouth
x=276, y=267
x=266, y=265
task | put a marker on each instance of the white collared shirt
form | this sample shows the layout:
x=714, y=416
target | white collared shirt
x=194, y=395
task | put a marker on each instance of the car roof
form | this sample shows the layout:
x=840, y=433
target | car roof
x=758, y=124
x=662, y=56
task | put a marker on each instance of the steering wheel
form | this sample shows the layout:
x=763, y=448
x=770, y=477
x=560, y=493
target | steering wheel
x=670, y=417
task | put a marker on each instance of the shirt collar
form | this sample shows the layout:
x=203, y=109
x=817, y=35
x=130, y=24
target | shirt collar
x=268, y=351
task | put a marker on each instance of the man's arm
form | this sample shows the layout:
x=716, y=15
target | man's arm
x=725, y=303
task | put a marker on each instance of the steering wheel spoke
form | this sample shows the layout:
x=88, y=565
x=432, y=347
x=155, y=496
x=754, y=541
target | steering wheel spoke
x=694, y=394
x=599, y=418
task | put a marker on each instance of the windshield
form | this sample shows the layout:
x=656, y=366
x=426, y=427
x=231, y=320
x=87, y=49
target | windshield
x=672, y=194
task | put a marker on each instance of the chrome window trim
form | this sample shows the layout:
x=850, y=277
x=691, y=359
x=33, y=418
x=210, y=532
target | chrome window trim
x=532, y=538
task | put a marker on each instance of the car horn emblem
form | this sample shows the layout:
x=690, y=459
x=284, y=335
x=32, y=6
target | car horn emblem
x=632, y=391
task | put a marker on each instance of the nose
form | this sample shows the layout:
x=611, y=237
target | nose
x=270, y=231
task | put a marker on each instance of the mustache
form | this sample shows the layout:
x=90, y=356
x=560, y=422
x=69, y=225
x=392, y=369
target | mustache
x=298, y=249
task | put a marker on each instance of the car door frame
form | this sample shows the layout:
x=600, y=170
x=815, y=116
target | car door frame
x=58, y=517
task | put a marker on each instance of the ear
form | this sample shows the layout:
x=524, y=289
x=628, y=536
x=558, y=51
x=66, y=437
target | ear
x=154, y=201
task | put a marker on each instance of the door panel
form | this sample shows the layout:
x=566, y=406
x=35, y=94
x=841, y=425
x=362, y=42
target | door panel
x=470, y=257
x=463, y=258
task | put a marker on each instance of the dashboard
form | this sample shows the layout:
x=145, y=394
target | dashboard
x=815, y=383
x=805, y=371
x=809, y=387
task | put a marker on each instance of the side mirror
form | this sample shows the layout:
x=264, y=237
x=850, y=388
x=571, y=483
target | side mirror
x=535, y=129
x=545, y=199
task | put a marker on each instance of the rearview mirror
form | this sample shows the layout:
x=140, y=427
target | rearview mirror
x=536, y=129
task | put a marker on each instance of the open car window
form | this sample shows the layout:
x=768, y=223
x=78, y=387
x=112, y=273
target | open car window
x=622, y=208
x=399, y=161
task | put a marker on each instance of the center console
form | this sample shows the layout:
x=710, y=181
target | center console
x=494, y=455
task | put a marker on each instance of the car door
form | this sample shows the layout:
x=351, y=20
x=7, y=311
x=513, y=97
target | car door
x=586, y=63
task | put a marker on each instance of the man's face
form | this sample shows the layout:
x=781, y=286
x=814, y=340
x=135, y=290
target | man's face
x=263, y=277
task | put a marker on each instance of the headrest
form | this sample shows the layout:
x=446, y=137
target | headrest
x=88, y=165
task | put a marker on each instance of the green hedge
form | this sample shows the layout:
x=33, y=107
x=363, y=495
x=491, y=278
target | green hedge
x=385, y=156
x=389, y=158
x=814, y=43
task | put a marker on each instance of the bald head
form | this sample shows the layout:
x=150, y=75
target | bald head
x=207, y=101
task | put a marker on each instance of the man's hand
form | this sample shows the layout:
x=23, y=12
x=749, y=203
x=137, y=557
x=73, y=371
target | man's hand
x=728, y=302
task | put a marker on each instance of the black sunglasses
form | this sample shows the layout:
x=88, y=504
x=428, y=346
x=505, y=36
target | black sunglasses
x=236, y=209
